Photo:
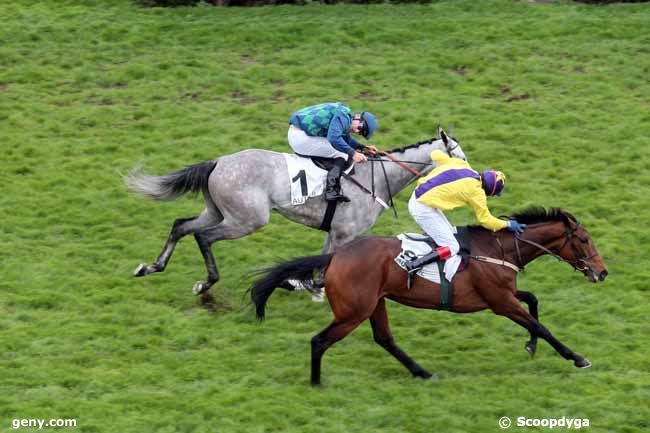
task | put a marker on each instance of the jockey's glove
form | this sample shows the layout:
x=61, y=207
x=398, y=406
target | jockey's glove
x=515, y=227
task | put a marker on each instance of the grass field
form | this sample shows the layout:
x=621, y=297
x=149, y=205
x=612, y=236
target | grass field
x=556, y=95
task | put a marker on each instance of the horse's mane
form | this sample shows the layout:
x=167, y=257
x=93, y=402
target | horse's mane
x=412, y=146
x=536, y=215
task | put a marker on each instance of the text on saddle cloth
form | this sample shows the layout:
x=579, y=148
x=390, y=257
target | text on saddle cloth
x=305, y=178
x=413, y=246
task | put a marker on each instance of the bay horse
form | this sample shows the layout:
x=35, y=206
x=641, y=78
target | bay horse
x=241, y=189
x=360, y=275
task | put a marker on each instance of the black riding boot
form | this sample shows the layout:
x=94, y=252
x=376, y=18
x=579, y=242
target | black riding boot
x=412, y=266
x=415, y=264
x=333, y=185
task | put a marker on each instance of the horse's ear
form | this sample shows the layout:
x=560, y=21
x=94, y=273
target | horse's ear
x=443, y=135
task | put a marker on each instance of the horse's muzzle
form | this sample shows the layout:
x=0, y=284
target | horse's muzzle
x=595, y=276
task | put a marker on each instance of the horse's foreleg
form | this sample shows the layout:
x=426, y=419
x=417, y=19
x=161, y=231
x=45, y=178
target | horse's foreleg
x=531, y=300
x=326, y=338
x=566, y=353
x=383, y=337
x=180, y=228
x=515, y=312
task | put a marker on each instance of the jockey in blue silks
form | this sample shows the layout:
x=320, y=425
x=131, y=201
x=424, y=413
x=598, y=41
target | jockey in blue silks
x=324, y=130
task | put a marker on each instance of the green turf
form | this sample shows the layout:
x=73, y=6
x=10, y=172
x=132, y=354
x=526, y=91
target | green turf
x=556, y=95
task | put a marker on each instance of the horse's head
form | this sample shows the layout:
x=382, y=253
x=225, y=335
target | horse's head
x=579, y=250
x=559, y=234
x=451, y=145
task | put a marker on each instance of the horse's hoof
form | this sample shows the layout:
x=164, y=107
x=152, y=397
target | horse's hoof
x=531, y=349
x=582, y=363
x=296, y=285
x=140, y=271
x=318, y=296
x=200, y=287
x=428, y=377
x=423, y=374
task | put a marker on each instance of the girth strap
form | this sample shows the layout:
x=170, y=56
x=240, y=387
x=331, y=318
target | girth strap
x=326, y=225
x=446, y=288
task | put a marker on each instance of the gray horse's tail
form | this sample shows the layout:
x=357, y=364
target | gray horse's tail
x=297, y=269
x=193, y=178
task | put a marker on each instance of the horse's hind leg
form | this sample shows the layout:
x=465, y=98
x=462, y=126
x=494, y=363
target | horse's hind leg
x=531, y=300
x=180, y=228
x=383, y=337
x=215, y=230
x=210, y=263
x=326, y=338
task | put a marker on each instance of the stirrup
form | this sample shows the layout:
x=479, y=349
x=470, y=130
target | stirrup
x=411, y=273
x=337, y=197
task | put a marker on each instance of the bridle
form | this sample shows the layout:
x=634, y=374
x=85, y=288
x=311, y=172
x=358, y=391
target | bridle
x=579, y=264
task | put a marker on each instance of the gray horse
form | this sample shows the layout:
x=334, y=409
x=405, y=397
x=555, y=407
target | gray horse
x=241, y=189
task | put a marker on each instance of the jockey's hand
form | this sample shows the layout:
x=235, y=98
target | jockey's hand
x=359, y=157
x=371, y=149
x=515, y=227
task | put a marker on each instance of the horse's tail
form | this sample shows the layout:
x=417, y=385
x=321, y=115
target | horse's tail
x=297, y=269
x=193, y=178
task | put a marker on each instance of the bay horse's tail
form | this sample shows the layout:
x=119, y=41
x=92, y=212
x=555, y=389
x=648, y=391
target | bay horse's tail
x=297, y=269
x=193, y=178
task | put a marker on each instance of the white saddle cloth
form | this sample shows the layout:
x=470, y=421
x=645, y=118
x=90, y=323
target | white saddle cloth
x=414, y=248
x=305, y=177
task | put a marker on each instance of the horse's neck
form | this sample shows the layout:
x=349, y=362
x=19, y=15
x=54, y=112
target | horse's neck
x=545, y=234
x=398, y=176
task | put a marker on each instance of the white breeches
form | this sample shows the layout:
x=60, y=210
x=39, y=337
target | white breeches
x=435, y=224
x=303, y=144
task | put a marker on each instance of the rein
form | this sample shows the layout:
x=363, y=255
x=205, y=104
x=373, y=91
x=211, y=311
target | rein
x=401, y=163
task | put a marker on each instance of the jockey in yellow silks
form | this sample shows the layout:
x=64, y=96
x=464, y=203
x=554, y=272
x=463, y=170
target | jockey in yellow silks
x=451, y=185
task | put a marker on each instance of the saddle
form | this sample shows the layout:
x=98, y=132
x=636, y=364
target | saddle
x=327, y=163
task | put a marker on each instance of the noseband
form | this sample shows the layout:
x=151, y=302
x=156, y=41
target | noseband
x=580, y=262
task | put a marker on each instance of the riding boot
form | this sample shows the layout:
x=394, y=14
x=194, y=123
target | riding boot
x=412, y=266
x=416, y=264
x=333, y=185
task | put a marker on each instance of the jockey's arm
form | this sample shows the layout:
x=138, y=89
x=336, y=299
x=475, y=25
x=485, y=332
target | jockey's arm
x=335, y=133
x=354, y=143
x=477, y=199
